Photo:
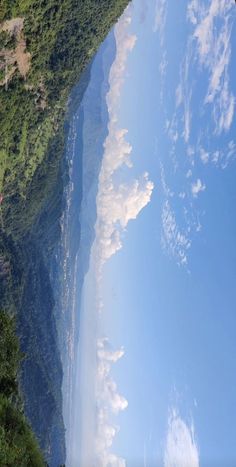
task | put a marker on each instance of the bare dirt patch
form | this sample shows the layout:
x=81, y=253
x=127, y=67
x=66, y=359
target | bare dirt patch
x=13, y=26
x=17, y=58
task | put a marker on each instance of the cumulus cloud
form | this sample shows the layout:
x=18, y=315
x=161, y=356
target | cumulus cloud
x=116, y=206
x=118, y=202
x=212, y=32
x=181, y=449
x=105, y=353
x=108, y=401
x=197, y=187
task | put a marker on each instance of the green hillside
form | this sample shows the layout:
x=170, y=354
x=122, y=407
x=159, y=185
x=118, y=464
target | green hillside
x=45, y=49
x=18, y=446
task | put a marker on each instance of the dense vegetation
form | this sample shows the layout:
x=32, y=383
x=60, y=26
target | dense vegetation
x=45, y=46
x=25, y=285
x=18, y=447
x=61, y=37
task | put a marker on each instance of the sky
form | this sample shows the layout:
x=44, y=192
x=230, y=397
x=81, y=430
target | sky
x=157, y=340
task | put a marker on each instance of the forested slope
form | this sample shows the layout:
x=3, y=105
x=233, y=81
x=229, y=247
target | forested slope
x=45, y=48
x=18, y=446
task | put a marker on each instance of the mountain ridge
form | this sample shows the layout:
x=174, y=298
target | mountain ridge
x=61, y=39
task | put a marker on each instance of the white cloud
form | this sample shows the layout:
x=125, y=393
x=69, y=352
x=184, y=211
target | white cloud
x=212, y=32
x=179, y=95
x=176, y=232
x=159, y=27
x=222, y=158
x=204, y=155
x=183, y=93
x=118, y=202
x=190, y=151
x=172, y=132
x=163, y=65
x=108, y=401
x=192, y=9
x=174, y=241
x=224, y=108
x=105, y=353
x=160, y=19
x=209, y=48
x=181, y=449
x=187, y=123
x=107, y=395
x=231, y=152
x=166, y=190
x=197, y=187
x=116, y=206
x=216, y=156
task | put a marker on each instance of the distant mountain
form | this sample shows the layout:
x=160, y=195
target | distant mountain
x=87, y=133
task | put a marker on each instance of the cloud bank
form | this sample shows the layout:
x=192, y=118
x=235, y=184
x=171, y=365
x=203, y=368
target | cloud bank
x=117, y=205
x=181, y=448
x=108, y=402
x=118, y=202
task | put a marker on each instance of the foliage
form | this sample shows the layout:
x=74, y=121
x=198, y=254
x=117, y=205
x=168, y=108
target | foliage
x=6, y=40
x=61, y=37
x=9, y=356
x=18, y=445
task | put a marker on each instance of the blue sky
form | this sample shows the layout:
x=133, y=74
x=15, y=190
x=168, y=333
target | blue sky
x=165, y=250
